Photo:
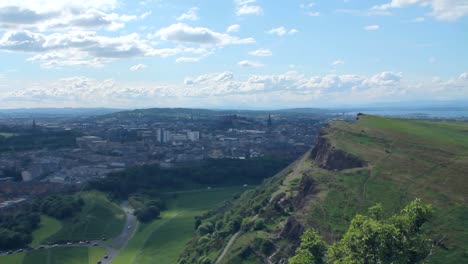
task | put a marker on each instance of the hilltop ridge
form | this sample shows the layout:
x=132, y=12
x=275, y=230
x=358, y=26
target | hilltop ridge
x=354, y=165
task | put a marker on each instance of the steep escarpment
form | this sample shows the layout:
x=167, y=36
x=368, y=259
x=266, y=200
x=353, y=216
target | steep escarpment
x=329, y=157
x=331, y=184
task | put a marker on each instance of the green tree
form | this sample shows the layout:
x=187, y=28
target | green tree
x=398, y=239
x=311, y=251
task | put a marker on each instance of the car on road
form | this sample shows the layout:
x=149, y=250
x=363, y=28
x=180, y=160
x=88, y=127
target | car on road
x=69, y=243
x=99, y=262
x=106, y=256
x=95, y=245
x=129, y=227
x=41, y=247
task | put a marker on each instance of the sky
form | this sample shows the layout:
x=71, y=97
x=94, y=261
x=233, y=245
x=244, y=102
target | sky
x=249, y=54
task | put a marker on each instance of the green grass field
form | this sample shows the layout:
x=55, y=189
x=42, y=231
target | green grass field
x=98, y=219
x=407, y=159
x=69, y=255
x=6, y=134
x=163, y=240
x=48, y=227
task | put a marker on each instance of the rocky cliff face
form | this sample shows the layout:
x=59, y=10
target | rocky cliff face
x=328, y=157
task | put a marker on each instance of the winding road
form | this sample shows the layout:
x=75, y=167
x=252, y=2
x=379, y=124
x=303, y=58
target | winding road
x=113, y=246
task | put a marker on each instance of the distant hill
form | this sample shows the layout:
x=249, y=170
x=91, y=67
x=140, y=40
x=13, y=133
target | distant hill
x=62, y=112
x=353, y=166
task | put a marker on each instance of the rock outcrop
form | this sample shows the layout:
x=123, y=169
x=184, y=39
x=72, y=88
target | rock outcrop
x=328, y=157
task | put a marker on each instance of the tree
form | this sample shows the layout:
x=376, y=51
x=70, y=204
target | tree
x=311, y=251
x=398, y=239
x=148, y=213
x=372, y=239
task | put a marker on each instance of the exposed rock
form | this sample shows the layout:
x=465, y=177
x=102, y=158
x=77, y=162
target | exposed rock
x=328, y=157
x=292, y=230
x=307, y=188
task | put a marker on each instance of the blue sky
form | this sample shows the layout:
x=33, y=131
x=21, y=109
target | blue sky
x=231, y=53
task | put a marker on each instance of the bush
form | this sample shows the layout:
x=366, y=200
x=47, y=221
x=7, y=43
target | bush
x=206, y=228
x=259, y=224
x=148, y=214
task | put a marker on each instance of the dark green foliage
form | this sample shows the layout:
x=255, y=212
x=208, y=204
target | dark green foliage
x=206, y=228
x=148, y=214
x=197, y=222
x=259, y=224
x=264, y=245
x=226, y=172
x=60, y=206
x=38, y=139
x=312, y=249
x=235, y=224
x=398, y=239
x=370, y=239
x=16, y=228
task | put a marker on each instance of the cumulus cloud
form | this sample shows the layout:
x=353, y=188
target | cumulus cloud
x=183, y=33
x=210, y=78
x=281, y=31
x=247, y=7
x=138, y=67
x=16, y=15
x=84, y=47
x=261, y=53
x=224, y=89
x=191, y=14
x=250, y=64
x=448, y=10
x=372, y=27
x=233, y=28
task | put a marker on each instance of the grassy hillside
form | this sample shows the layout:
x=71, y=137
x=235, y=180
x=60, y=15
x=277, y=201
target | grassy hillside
x=71, y=255
x=405, y=159
x=48, y=227
x=162, y=240
x=98, y=218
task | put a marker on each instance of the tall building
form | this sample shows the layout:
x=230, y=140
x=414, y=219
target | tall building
x=163, y=136
x=193, y=135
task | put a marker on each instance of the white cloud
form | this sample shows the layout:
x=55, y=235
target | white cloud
x=138, y=67
x=290, y=89
x=146, y=14
x=448, y=10
x=247, y=7
x=337, y=62
x=419, y=19
x=281, y=31
x=84, y=47
x=372, y=27
x=191, y=14
x=233, y=28
x=313, y=13
x=261, y=53
x=72, y=16
x=200, y=35
x=309, y=9
x=250, y=64
x=210, y=78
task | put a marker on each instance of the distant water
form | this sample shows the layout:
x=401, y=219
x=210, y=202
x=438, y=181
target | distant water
x=421, y=113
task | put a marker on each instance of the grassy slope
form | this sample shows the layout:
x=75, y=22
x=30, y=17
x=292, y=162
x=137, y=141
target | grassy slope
x=99, y=218
x=164, y=239
x=70, y=255
x=48, y=227
x=407, y=159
